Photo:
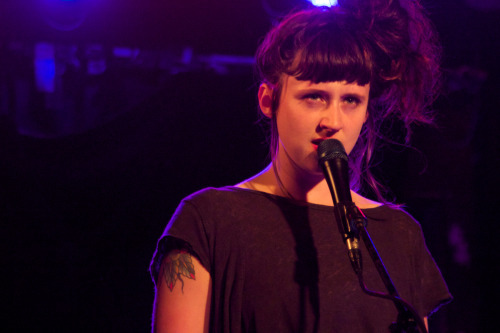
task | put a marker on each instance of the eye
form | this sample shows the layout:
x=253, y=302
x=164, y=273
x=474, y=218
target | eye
x=313, y=97
x=353, y=100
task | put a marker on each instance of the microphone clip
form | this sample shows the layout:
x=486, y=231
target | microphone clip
x=351, y=219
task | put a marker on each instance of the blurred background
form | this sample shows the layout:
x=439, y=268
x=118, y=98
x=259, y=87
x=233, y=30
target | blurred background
x=111, y=111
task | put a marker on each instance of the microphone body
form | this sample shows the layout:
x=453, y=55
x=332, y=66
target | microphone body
x=333, y=159
x=334, y=162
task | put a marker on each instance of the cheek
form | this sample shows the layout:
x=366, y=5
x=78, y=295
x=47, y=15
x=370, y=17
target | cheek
x=360, y=120
x=354, y=133
x=291, y=125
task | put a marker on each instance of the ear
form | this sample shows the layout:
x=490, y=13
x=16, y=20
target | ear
x=265, y=96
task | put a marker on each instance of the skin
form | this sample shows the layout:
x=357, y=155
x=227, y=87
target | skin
x=185, y=305
x=307, y=113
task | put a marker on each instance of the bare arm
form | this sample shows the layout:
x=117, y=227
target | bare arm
x=182, y=300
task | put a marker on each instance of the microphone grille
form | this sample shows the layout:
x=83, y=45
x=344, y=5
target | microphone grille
x=331, y=149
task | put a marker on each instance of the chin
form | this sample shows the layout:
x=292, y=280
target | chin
x=315, y=171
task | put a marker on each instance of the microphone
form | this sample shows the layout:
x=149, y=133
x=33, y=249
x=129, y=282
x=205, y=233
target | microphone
x=334, y=162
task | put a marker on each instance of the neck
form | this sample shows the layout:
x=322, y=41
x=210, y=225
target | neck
x=300, y=188
x=295, y=185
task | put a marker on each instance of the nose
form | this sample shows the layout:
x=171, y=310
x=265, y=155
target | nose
x=331, y=119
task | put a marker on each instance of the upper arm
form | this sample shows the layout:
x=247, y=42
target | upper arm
x=183, y=293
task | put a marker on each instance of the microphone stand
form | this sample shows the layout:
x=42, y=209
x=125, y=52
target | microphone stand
x=353, y=223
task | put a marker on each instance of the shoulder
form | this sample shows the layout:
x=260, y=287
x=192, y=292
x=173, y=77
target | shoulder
x=393, y=217
x=382, y=211
x=388, y=211
x=363, y=202
x=222, y=195
x=225, y=200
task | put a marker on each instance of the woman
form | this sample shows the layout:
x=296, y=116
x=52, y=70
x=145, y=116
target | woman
x=265, y=255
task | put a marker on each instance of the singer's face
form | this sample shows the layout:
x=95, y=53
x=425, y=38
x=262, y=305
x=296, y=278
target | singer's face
x=311, y=112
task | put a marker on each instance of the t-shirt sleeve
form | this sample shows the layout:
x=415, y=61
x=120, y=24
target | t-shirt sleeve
x=431, y=286
x=187, y=226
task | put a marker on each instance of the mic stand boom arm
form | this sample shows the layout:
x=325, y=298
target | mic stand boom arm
x=408, y=318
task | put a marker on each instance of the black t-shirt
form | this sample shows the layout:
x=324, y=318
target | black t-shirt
x=281, y=266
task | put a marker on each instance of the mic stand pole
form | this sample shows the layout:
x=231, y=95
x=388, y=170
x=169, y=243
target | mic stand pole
x=408, y=318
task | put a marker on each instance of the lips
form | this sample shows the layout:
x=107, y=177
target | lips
x=316, y=143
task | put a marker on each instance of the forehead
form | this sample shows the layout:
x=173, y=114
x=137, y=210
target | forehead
x=291, y=83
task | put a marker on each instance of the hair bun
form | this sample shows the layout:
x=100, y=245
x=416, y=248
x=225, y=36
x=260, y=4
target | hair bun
x=406, y=50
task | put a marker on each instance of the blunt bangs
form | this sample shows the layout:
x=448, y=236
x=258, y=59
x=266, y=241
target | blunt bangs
x=330, y=55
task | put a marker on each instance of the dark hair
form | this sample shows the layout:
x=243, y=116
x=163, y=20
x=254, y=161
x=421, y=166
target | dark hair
x=390, y=44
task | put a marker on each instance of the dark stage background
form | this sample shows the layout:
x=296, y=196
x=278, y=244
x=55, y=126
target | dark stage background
x=112, y=111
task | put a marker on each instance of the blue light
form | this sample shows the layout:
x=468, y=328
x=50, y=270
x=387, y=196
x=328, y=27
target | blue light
x=45, y=67
x=125, y=52
x=328, y=3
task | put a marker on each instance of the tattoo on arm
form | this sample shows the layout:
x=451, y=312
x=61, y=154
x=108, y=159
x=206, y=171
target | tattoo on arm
x=178, y=263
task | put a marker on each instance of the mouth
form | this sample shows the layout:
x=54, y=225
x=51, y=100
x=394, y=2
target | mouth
x=316, y=143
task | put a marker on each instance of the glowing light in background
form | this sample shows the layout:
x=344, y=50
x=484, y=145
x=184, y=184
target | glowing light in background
x=328, y=3
x=96, y=61
x=45, y=67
